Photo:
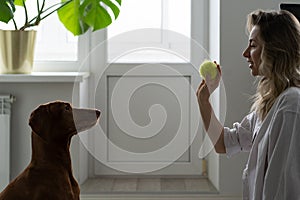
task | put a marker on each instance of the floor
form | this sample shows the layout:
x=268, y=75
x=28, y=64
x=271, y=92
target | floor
x=115, y=185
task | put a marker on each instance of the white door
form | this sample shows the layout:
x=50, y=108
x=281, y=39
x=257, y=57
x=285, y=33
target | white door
x=151, y=121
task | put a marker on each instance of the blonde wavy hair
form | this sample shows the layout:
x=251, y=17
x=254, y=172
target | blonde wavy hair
x=280, y=57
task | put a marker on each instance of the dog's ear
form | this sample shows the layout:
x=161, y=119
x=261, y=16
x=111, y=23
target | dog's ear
x=37, y=119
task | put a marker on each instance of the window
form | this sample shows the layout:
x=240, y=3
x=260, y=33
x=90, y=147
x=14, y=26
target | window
x=55, y=46
x=146, y=31
x=58, y=45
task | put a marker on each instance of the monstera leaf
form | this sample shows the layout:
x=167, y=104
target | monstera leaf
x=19, y=2
x=76, y=15
x=7, y=9
x=80, y=15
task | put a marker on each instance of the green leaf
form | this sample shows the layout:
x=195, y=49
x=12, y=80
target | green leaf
x=7, y=9
x=80, y=15
x=11, y=4
x=19, y=2
x=119, y=1
x=113, y=7
x=70, y=17
x=95, y=15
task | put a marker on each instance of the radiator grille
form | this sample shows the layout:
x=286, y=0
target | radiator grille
x=5, y=113
x=5, y=103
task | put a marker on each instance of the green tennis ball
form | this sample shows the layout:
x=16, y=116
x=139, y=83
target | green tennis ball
x=208, y=67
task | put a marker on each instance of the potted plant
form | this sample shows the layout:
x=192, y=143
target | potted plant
x=77, y=16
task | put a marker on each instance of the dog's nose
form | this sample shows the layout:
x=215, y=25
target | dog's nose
x=98, y=113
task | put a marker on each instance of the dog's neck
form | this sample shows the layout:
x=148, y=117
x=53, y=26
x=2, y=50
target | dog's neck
x=49, y=154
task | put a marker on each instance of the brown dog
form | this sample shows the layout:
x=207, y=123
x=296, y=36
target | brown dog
x=49, y=174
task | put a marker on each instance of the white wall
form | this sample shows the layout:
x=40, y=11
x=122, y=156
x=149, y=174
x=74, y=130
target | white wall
x=237, y=79
x=27, y=101
x=29, y=95
x=227, y=41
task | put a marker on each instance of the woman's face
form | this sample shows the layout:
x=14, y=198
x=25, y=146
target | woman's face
x=253, y=51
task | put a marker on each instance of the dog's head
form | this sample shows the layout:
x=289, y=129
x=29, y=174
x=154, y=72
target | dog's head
x=58, y=120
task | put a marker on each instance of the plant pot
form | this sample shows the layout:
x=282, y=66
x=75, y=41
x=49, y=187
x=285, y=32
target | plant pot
x=16, y=51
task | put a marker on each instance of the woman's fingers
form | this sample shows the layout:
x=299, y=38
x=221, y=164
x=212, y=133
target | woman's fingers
x=218, y=67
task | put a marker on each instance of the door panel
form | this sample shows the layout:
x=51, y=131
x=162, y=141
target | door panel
x=150, y=123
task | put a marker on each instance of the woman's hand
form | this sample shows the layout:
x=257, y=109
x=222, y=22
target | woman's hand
x=208, y=86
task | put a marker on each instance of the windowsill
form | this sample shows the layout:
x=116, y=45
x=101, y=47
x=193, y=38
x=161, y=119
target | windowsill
x=39, y=77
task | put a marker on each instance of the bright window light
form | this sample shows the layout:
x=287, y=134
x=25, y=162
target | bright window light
x=151, y=31
x=54, y=42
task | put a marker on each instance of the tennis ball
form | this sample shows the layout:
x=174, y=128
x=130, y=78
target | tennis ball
x=208, y=67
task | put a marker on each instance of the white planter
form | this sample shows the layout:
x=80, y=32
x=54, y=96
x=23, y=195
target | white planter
x=17, y=51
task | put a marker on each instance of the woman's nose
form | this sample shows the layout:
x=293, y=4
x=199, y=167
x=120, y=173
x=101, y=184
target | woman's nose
x=246, y=53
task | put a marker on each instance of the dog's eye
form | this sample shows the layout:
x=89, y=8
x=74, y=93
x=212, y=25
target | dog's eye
x=68, y=108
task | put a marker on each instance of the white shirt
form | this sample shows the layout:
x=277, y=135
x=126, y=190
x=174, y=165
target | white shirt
x=273, y=168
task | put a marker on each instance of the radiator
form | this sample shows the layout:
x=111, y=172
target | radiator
x=5, y=111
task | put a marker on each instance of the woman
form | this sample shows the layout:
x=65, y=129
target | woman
x=271, y=132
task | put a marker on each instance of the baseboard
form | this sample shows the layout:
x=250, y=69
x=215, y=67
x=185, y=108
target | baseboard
x=159, y=197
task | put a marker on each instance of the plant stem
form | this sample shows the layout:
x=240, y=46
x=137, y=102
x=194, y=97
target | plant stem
x=40, y=11
x=43, y=5
x=64, y=4
x=38, y=5
x=26, y=13
x=39, y=18
x=15, y=24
